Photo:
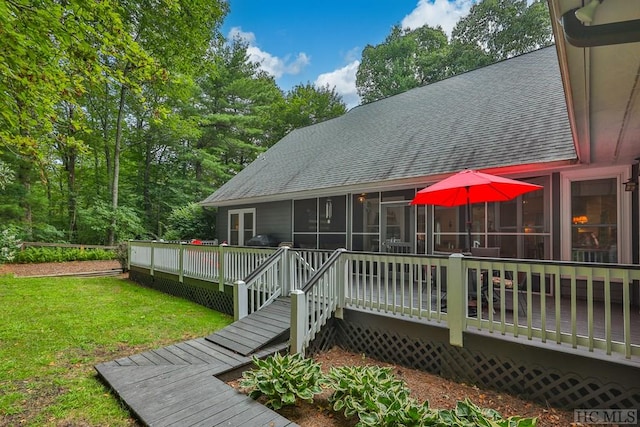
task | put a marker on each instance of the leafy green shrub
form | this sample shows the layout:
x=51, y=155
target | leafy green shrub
x=466, y=413
x=122, y=255
x=283, y=379
x=9, y=245
x=376, y=397
x=32, y=255
x=190, y=222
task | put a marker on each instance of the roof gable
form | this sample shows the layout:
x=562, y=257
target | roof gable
x=508, y=113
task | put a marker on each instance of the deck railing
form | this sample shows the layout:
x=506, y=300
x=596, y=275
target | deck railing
x=266, y=283
x=222, y=264
x=316, y=302
x=580, y=305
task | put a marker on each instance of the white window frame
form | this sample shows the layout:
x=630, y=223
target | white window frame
x=241, y=225
x=622, y=174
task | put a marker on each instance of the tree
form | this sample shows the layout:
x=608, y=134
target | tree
x=505, y=28
x=235, y=108
x=177, y=35
x=405, y=60
x=305, y=105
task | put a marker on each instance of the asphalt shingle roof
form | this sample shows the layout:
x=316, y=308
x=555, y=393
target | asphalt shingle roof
x=508, y=113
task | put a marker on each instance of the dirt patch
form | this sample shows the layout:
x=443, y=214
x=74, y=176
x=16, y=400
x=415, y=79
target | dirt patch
x=441, y=394
x=58, y=268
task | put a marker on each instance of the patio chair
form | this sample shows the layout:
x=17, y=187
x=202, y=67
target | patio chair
x=493, y=252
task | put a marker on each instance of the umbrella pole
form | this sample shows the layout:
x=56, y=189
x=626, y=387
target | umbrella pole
x=468, y=249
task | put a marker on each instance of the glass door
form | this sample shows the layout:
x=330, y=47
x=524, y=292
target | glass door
x=395, y=232
x=242, y=226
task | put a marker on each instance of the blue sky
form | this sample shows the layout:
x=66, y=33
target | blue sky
x=321, y=42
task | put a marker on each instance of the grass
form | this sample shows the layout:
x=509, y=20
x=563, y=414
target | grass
x=54, y=330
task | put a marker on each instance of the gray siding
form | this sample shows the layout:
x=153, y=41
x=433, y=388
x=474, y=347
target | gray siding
x=271, y=218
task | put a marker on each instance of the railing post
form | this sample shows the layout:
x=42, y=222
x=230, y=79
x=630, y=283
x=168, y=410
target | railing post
x=342, y=277
x=285, y=274
x=129, y=255
x=181, y=263
x=240, y=300
x=456, y=299
x=221, y=264
x=298, y=321
x=151, y=266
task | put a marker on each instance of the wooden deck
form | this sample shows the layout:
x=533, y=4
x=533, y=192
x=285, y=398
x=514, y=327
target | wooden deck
x=178, y=384
x=371, y=294
x=247, y=335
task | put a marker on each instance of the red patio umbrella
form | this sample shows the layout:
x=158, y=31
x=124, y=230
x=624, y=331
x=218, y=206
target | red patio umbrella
x=469, y=186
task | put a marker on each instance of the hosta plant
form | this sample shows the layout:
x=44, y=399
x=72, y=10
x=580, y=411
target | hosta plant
x=466, y=413
x=283, y=380
x=376, y=397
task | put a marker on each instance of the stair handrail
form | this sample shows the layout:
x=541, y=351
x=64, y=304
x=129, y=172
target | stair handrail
x=261, y=286
x=314, y=304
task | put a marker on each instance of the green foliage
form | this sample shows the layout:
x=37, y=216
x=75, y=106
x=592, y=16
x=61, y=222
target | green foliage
x=505, y=28
x=305, y=105
x=95, y=221
x=122, y=255
x=466, y=413
x=376, y=397
x=31, y=255
x=9, y=245
x=283, y=379
x=405, y=60
x=190, y=222
x=6, y=175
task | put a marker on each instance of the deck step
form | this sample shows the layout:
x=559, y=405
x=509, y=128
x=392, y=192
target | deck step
x=266, y=326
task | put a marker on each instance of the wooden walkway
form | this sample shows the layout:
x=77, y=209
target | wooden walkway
x=247, y=335
x=177, y=384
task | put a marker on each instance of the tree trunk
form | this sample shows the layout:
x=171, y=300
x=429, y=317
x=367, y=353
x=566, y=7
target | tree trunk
x=111, y=237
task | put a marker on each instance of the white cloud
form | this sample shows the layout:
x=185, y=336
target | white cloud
x=273, y=65
x=437, y=12
x=344, y=81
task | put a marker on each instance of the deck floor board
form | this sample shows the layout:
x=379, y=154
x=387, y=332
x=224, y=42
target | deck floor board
x=177, y=384
x=244, y=338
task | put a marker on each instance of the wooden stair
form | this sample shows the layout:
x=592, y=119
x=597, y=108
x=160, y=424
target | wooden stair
x=268, y=325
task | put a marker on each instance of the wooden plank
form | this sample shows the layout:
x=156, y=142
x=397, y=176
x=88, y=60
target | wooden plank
x=248, y=415
x=207, y=357
x=242, y=328
x=171, y=358
x=271, y=318
x=123, y=375
x=155, y=403
x=140, y=360
x=223, y=351
x=215, y=352
x=241, y=405
x=253, y=323
x=187, y=357
x=248, y=339
x=194, y=406
x=155, y=358
x=144, y=377
x=125, y=361
x=209, y=416
x=232, y=345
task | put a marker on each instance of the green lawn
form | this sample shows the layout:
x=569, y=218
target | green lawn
x=54, y=330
